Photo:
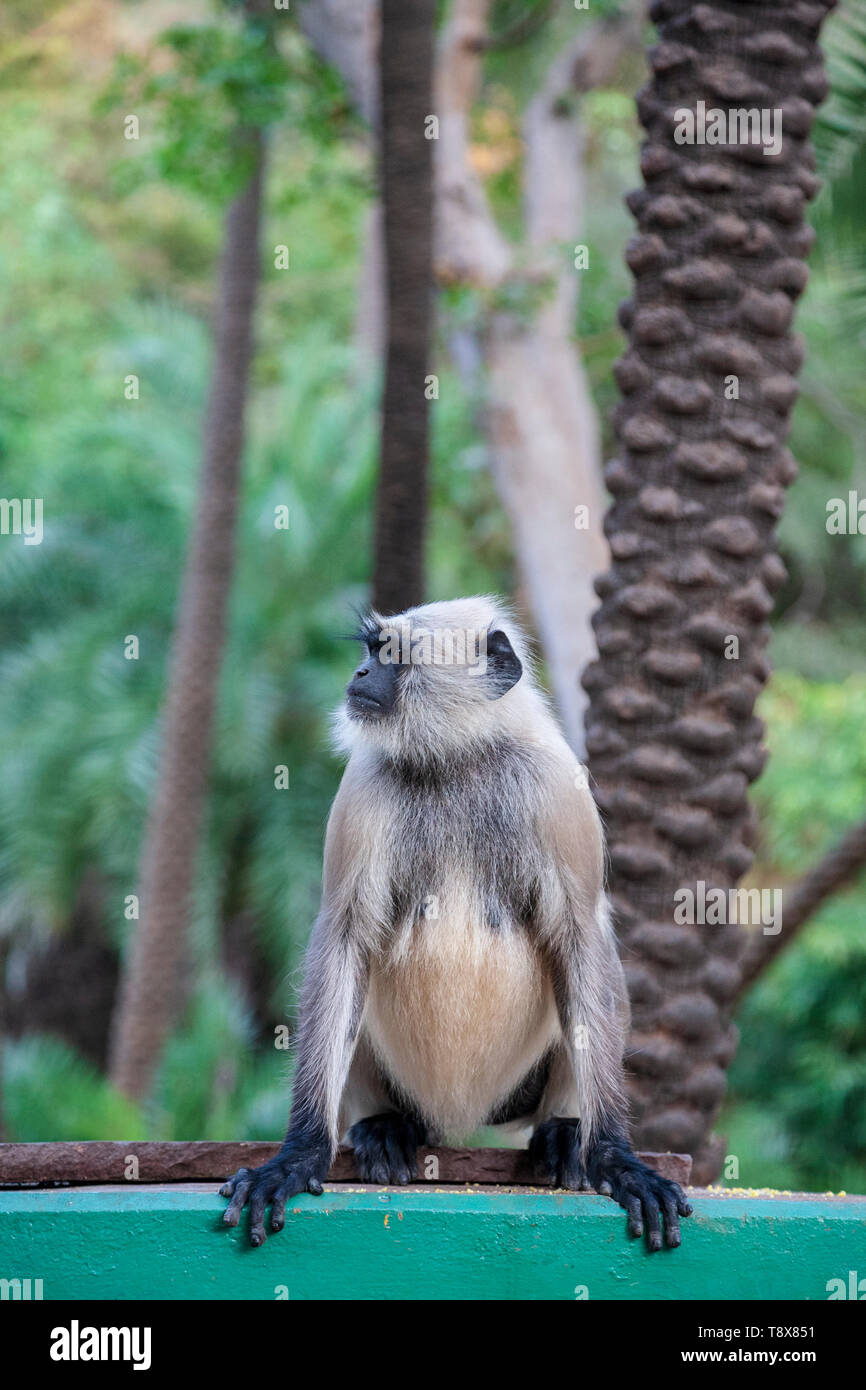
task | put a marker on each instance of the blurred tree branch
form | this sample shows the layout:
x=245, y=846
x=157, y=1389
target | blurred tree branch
x=525, y=27
x=838, y=867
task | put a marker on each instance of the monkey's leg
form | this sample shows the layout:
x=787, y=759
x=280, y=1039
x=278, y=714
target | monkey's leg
x=587, y=1078
x=331, y=1004
x=385, y=1138
x=386, y=1147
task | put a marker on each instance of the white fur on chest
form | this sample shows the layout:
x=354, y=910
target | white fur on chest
x=458, y=1013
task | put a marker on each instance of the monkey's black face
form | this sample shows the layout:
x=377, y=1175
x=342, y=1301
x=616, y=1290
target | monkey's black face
x=372, y=691
x=462, y=667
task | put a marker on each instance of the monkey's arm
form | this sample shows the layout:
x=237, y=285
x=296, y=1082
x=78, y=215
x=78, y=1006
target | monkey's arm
x=332, y=1002
x=586, y=1134
x=331, y=1005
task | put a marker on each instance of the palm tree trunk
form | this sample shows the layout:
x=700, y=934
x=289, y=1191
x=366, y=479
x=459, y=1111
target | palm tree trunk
x=407, y=192
x=698, y=487
x=145, y=1004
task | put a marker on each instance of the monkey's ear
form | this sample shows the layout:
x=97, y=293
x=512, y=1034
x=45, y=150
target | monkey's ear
x=504, y=667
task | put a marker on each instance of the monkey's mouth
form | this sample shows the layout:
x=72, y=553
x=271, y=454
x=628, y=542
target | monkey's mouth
x=364, y=706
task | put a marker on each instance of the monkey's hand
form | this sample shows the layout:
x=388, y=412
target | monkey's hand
x=647, y=1197
x=298, y=1167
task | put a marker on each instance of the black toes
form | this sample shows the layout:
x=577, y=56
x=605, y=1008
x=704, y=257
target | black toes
x=554, y=1152
x=386, y=1148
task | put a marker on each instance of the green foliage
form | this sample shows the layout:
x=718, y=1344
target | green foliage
x=236, y=1090
x=106, y=273
x=798, y=1084
x=50, y=1093
x=202, y=88
x=78, y=724
x=812, y=788
x=802, y=1062
x=840, y=132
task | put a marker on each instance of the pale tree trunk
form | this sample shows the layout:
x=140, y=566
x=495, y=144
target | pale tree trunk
x=406, y=170
x=698, y=487
x=149, y=986
x=541, y=424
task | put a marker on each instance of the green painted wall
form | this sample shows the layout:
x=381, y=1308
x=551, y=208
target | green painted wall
x=169, y=1242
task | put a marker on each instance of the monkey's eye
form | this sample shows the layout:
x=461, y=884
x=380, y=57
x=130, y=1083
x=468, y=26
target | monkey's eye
x=373, y=647
x=368, y=634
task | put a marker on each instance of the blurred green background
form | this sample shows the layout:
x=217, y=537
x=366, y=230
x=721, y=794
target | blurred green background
x=107, y=268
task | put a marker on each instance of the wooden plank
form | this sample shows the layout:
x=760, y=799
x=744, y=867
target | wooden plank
x=97, y=1161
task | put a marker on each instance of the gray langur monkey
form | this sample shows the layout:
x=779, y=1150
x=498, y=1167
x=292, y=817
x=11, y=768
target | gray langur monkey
x=462, y=970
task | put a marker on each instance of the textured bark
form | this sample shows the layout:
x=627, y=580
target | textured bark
x=145, y=1005
x=698, y=487
x=406, y=65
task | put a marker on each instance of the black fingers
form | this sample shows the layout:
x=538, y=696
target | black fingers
x=278, y=1210
x=258, y=1201
x=658, y=1198
x=684, y=1206
x=238, y=1189
x=669, y=1206
x=274, y=1182
x=654, y=1204
x=632, y=1205
x=653, y=1219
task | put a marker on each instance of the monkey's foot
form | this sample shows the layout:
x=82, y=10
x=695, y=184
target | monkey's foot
x=293, y=1170
x=554, y=1152
x=386, y=1147
x=645, y=1195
